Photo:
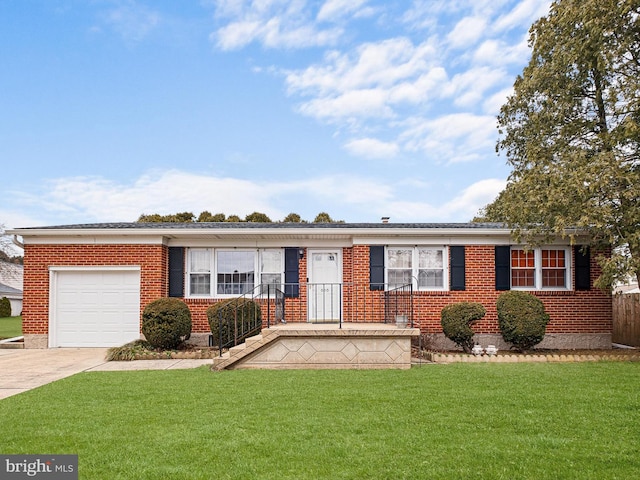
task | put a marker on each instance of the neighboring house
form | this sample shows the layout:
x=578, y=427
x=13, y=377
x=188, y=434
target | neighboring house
x=86, y=285
x=630, y=288
x=11, y=285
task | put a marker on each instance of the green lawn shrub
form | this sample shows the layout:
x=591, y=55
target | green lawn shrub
x=456, y=320
x=5, y=307
x=522, y=319
x=128, y=351
x=237, y=318
x=166, y=323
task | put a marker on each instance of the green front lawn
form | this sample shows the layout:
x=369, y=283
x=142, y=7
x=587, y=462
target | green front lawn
x=481, y=421
x=10, y=327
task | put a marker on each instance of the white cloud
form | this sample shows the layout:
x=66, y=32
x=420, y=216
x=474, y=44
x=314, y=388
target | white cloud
x=372, y=148
x=523, y=14
x=463, y=207
x=368, y=82
x=474, y=197
x=468, y=88
x=349, y=105
x=95, y=199
x=238, y=34
x=131, y=20
x=499, y=53
x=14, y=218
x=453, y=138
x=383, y=63
x=492, y=105
x=333, y=10
x=273, y=23
x=98, y=199
x=466, y=32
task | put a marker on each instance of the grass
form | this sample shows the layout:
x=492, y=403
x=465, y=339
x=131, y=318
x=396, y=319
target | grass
x=10, y=327
x=511, y=421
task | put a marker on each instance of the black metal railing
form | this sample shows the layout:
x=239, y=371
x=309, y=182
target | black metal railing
x=398, y=305
x=242, y=317
x=353, y=303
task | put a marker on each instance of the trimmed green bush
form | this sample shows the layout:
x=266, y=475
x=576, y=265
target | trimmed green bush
x=237, y=318
x=522, y=319
x=5, y=307
x=456, y=320
x=166, y=323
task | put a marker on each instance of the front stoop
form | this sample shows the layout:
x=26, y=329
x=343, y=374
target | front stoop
x=322, y=348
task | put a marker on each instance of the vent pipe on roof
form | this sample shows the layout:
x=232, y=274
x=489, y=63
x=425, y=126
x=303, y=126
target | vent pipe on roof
x=385, y=219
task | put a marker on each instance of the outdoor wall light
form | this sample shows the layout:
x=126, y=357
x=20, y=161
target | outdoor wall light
x=301, y=253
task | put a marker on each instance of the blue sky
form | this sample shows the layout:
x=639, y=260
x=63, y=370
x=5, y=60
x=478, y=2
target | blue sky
x=360, y=108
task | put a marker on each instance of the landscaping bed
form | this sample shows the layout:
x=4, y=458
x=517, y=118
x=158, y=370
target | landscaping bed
x=141, y=350
x=536, y=355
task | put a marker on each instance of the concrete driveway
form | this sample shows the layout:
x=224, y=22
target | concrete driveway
x=22, y=370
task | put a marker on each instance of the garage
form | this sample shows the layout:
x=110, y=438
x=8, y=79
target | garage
x=94, y=307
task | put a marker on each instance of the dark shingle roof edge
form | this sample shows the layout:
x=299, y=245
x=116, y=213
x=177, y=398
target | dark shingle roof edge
x=261, y=226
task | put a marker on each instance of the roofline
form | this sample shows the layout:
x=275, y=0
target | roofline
x=347, y=230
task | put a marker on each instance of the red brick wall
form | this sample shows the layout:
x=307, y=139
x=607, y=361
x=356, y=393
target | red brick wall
x=571, y=312
x=152, y=259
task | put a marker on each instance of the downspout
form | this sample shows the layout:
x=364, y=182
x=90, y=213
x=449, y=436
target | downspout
x=17, y=242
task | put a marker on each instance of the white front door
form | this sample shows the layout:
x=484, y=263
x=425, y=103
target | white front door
x=325, y=285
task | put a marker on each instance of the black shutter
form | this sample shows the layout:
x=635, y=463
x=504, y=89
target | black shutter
x=583, y=268
x=457, y=273
x=291, y=273
x=176, y=271
x=503, y=267
x=376, y=267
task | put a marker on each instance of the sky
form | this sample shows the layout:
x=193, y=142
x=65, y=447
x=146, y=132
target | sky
x=110, y=109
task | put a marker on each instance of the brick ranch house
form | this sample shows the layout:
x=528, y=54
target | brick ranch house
x=86, y=285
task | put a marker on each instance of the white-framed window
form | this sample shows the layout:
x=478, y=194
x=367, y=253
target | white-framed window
x=199, y=271
x=542, y=268
x=235, y=272
x=426, y=268
x=271, y=270
x=399, y=267
x=223, y=272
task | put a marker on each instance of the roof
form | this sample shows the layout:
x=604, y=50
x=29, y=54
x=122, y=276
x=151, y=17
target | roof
x=260, y=234
x=11, y=275
x=255, y=225
x=9, y=292
x=171, y=233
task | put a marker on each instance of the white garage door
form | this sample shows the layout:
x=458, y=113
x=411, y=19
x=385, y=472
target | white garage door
x=94, y=308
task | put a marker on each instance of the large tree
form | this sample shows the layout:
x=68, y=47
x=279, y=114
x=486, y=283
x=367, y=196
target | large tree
x=570, y=131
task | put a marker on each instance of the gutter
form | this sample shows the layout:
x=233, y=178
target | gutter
x=17, y=242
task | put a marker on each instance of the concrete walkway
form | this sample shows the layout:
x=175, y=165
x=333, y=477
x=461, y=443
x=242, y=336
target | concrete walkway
x=24, y=369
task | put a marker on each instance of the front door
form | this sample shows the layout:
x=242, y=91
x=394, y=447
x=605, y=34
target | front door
x=325, y=286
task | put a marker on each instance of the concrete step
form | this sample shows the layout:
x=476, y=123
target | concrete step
x=218, y=360
x=237, y=348
x=252, y=340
